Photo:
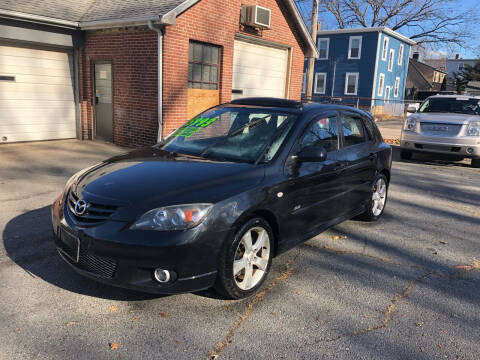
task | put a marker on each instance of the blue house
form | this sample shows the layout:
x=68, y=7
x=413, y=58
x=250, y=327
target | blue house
x=366, y=67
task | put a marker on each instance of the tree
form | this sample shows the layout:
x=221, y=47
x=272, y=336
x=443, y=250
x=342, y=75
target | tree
x=426, y=21
x=469, y=73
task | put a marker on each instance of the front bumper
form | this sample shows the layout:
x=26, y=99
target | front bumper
x=464, y=146
x=111, y=253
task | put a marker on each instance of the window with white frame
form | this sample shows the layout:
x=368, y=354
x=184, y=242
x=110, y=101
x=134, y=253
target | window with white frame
x=397, y=87
x=320, y=83
x=381, y=83
x=323, y=46
x=304, y=83
x=351, y=83
x=385, y=49
x=390, y=59
x=400, y=54
x=461, y=66
x=355, y=47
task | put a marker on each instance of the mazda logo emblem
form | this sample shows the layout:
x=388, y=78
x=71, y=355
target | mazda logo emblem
x=80, y=207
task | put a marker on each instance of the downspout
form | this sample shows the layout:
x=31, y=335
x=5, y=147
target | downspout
x=160, y=77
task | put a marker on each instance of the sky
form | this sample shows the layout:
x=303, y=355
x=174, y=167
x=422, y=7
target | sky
x=328, y=22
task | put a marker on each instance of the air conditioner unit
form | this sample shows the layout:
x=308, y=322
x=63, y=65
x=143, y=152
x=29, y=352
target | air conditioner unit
x=255, y=16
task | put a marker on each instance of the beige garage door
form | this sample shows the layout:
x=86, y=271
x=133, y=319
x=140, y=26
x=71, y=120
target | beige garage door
x=258, y=70
x=36, y=95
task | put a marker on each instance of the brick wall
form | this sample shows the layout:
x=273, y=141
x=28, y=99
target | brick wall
x=216, y=22
x=133, y=53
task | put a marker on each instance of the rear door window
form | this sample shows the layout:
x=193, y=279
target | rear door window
x=353, y=130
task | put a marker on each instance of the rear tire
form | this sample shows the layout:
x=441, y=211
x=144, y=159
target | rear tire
x=475, y=163
x=245, y=260
x=378, y=199
x=406, y=154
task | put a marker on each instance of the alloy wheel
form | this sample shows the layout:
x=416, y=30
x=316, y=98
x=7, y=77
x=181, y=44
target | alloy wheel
x=379, y=196
x=251, y=258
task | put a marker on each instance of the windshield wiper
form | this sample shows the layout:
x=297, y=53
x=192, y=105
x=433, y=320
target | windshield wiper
x=238, y=131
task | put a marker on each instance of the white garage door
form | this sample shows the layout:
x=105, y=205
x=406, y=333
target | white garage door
x=36, y=95
x=258, y=70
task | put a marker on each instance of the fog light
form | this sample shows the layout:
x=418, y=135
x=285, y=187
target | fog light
x=162, y=276
x=470, y=150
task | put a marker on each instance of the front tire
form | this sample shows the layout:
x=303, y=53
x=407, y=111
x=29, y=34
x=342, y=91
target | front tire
x=245, y=260
x=378, y=199
x=475, y=163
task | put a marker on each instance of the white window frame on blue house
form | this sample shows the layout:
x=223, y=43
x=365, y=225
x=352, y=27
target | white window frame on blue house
x=400, y=54
x=381, y=81
x=328, y=48
x=396, y=88
x=391, y=58
x=350, y=41
x=387, y=97
x=304, y=83
x=385, y=48
x=356, y=74
x=315, y=89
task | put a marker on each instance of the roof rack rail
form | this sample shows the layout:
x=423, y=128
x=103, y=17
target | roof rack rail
x=268, y=101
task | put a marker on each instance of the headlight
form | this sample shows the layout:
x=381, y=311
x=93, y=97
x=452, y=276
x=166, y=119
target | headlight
x=473, y=128
x=410, y=124
x=168, y=218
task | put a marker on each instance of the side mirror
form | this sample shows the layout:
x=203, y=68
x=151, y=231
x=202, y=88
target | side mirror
x=312, y=154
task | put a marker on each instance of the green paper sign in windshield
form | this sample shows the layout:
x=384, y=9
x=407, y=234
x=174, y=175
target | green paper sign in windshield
x=193, y=126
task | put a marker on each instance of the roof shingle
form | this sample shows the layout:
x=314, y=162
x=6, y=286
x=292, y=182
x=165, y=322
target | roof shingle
x=92, y=10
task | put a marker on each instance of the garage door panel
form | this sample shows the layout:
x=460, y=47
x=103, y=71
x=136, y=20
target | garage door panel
x=251, y=71
x=39, y=104
x=36, y=116
x=39, y=136
x=41, y=63
x=33, y=70
x=32, y=53
x=34, y=104
x=51, y=126
x=14, y=91
x=41, y=79
x=259, y=70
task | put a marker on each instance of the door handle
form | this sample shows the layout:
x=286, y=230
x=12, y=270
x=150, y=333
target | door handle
x=372, y=156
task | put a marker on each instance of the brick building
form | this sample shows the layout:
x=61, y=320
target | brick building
x=89, y=69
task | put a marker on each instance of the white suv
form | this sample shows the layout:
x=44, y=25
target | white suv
x=444, y=124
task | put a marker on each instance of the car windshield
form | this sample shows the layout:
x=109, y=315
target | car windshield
x=238, y=134
x=469, y=106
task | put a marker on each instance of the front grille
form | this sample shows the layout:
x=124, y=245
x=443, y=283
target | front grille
x=94, y=214
x=440, y=129
x=95, y=264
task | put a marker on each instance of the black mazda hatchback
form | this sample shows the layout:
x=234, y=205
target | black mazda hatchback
x=213, y=203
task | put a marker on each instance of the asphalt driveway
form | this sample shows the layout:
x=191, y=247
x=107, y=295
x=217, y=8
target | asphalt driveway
x=405, y=287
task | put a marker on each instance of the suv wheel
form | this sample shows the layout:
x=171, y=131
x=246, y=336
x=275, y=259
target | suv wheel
x=406, y=155
x=246, y=260
x=475, y=163
x=376, y=205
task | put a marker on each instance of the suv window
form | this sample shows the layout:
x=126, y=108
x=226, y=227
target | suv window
x=353, y=130
x=322, y=133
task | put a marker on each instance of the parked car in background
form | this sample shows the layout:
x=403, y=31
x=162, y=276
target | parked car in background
x=213, y=203
x=444, y=124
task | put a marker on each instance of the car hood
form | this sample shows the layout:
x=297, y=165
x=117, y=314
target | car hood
x=450, y=118
x=150, y=178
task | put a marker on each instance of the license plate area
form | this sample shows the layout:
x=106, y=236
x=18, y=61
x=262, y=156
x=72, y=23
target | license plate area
x=69, y=245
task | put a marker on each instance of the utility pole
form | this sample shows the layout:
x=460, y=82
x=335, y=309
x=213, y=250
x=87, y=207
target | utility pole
x=311, y=60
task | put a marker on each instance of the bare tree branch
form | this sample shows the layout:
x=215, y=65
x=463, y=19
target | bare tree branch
x=426, y=21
